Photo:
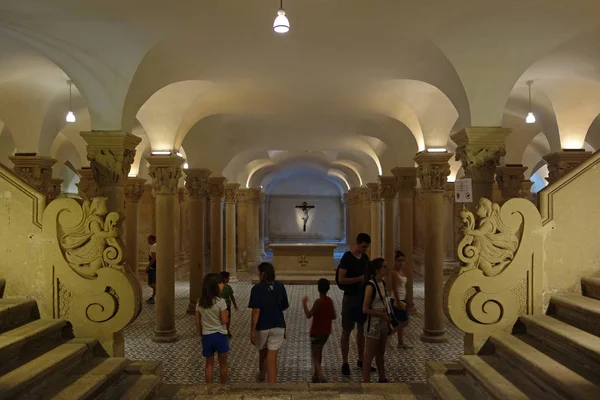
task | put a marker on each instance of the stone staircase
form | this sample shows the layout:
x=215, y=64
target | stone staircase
x=41, y=359
x=552, y=356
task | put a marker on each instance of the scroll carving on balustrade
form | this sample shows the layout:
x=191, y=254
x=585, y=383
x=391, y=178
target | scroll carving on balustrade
x=91, y=286
x=500, y=275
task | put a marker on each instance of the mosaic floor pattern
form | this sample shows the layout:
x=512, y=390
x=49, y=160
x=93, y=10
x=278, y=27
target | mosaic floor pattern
x=183, y=362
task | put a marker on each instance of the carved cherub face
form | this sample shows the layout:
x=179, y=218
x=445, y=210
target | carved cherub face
x=99, y=205
x=484, y=208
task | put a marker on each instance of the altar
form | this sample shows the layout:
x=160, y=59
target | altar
x=303, y=263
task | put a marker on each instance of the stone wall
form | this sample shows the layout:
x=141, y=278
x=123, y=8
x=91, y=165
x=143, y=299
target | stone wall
x=570, y=210
x=22, y=251
x=284, y=221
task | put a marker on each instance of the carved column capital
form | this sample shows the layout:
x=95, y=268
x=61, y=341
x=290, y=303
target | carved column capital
x=216, y=188
x=479, y=151
x=87, y=187
x=111, y=155
x=364, y=195
x=526, y=189
x=231, y=192
x=196, y=182
x=134, y=189
x=165, y=172
x=35, y=170
x=353, y=196
x=374, y=192
x=510, y=180
x=433, y=170
x=387, y=189
x=406, y=180
x=241, y=196
x=562, y=162
x=55, y=188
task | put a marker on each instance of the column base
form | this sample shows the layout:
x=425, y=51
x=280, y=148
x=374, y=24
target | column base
x=191, y=309
x=429, y=336
x=169, y=336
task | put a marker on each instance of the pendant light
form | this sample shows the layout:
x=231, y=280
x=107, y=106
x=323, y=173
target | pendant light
x=530, y=117
x=281, y=23
x=70, y=115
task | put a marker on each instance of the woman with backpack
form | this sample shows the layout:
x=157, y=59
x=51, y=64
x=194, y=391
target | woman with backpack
x=376, y=308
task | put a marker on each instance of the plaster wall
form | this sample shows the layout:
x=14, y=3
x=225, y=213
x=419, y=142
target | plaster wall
x=571, y=215
x=22, y=255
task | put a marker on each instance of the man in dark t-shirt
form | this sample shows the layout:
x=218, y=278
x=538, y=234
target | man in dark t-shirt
x=350, y=278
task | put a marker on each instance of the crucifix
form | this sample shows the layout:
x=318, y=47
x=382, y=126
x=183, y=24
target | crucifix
x=305, y=208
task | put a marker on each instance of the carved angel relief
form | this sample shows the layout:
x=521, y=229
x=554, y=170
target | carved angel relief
x=500, y=274
x=492, y=245
x=93, y=243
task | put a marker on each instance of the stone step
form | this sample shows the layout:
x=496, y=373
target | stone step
x=86, y=382
x=553, y=376
x=17, y=311
x=18, y=340
x=575, y=343
x=590, y=287
x=454, y=387
x=61, y=359
x=500, y=380
x=132, y=387
x=579, y=311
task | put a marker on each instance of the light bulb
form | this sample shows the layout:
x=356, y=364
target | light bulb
x=70, y=117
x=530, y=118
x=281, y=23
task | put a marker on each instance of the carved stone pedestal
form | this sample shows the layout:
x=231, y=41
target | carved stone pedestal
x=35, y=170
x=562, y=162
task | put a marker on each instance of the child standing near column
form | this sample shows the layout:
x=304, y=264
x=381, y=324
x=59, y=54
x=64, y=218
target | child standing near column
x=211, y=319
x=322, y=313
x=227, y=295
x=398, y=303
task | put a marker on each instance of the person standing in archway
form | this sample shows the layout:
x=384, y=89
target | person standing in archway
x=151, y=268
x=350, y=279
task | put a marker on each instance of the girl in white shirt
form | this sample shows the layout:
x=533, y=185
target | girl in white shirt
x=398, y=303
x=211, y=323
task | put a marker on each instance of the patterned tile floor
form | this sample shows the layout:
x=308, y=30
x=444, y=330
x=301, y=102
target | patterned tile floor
x=183, y=362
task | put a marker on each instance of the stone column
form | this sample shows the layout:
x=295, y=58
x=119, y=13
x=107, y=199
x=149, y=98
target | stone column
x=451, y=227
x=354, y=214
x=261, y=225
x=87, y=187
x=35, y=170
x=347, y=220
x=364, y=208
x=165, y=172
x=134, y=189
x=433, y=171
x=388, y=194
x=111, y=155
x=216, y=191
x=510, y=180
x=230, y=244
x=253, y=255
x=242, y=230
x=375, y=219
x=406, y=181
x=196, y=183
x=479, y=151
x=563, y=162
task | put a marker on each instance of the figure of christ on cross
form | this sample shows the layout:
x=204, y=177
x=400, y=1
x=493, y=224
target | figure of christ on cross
x=305, y=208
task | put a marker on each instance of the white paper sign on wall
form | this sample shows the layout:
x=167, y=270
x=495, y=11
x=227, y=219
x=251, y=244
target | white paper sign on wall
x=463, y=190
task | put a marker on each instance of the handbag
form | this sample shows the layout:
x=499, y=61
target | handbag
x=394, y=322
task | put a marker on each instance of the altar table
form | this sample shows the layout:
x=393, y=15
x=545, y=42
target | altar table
x=303, y=263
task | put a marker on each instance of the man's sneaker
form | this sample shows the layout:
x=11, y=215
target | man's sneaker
x=150, y=300
x=359, y=364
x=346, y=369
